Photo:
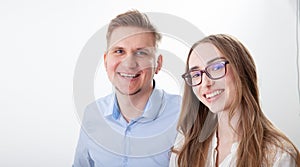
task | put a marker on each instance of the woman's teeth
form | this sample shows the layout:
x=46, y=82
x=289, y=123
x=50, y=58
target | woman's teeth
x=213, y=94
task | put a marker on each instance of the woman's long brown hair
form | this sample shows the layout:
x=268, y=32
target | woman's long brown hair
x=259, y=137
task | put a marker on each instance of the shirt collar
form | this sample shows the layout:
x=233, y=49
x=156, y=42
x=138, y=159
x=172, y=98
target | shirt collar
x=112, y=105
x=234, y=145
x=154, y=105
x=115, y=111
x=152, y=110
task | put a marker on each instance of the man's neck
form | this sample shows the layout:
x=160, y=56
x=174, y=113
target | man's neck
x=132, y=106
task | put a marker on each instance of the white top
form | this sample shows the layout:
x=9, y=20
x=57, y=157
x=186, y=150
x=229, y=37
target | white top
x=282, y=158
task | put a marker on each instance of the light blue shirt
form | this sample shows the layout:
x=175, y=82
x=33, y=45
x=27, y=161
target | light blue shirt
x=107, y=140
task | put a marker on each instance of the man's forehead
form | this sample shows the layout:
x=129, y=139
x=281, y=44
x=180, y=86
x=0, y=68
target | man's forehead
x=122, y=33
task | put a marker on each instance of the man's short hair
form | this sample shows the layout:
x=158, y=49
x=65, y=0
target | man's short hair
x=135, y=19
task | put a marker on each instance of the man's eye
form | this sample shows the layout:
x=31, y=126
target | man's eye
x=141, y=53
x=119, y=51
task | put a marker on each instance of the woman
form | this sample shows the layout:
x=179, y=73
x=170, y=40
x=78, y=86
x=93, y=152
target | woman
x=221, y=121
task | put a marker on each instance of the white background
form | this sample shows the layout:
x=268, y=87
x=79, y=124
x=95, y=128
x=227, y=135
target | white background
x=41, y=41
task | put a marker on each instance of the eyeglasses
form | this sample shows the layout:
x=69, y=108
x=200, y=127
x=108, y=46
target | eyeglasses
x=214, y=71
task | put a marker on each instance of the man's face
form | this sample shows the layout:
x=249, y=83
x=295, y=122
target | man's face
x=130, y=61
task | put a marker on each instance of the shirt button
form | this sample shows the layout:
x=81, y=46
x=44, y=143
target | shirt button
x=125, y=161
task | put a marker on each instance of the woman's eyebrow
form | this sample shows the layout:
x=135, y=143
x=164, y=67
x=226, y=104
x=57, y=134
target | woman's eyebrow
x=194, y=68
x=212, y=60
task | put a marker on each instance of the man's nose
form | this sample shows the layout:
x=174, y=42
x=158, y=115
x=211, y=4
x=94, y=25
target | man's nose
x=130, y=61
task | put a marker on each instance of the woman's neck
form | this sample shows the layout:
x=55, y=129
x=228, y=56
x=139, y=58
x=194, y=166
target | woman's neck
x=227, y=133
x=228, y=130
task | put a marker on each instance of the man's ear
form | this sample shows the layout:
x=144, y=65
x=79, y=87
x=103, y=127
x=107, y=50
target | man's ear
x=159, y=64
x=104, y=57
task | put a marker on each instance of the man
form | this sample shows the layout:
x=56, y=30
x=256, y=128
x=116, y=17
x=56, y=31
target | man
x=136, y=124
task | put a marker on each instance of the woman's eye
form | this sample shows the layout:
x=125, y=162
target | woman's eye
x=217, y=67
x=196, y=74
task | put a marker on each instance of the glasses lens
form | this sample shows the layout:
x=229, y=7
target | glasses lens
x=213, y=71
x=192, y=77
x=195, y=77
x=216, y=70
x=188, y=80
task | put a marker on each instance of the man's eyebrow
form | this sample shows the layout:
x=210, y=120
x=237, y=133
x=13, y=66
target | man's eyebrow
x=141, y=48
x=145, y=48
x=117, y=47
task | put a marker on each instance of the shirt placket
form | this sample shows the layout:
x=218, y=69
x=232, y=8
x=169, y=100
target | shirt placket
x=127, y=144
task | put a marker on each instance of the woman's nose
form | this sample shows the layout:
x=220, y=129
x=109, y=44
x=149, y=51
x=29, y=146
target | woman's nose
x=206, y=81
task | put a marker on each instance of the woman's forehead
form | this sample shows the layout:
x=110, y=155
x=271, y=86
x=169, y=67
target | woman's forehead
x=203, y=54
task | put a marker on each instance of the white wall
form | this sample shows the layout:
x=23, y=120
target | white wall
x=42, y=40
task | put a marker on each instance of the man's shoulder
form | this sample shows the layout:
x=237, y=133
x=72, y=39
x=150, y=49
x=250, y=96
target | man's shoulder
x=100, y=104
x=95, y=110
x=171, y=103
x=172, y=98
x=171, y=94
x=103, y=101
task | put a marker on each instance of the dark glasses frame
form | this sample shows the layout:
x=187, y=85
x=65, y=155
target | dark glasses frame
x=186, y=76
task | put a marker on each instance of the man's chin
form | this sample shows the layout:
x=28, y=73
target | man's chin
x=128, y=93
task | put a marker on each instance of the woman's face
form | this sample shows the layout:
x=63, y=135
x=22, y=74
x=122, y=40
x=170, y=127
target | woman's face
x=217, y=94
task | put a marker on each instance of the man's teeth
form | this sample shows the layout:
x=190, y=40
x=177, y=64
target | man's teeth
x=129, y=75
x=215, y=93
